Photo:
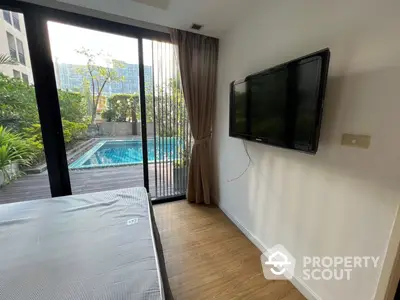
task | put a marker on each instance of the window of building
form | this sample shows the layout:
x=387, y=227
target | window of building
x=7, y=16
x=15, y=17
x=17, y=74
x=11, y=46
x=25, y=78
x=21, y=52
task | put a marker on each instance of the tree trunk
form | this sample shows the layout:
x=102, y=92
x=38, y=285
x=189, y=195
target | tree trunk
x=94, y=109
x=93, y=115
x=134, y=121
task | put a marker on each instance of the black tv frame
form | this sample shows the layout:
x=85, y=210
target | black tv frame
x=325, y=55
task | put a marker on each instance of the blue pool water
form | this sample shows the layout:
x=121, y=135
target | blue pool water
x=127, y=152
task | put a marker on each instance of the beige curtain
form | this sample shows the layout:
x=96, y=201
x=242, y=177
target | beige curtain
x=197, y=56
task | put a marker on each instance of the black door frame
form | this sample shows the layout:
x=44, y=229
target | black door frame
x=36, y=18
x=47, y=103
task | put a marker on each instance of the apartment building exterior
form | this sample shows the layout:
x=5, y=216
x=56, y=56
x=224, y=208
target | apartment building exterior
x=68, y=78
x=13, y=42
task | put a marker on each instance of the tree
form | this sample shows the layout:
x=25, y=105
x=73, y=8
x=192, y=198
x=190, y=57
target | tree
x=17, y=104
x=87, y=94
x=18, y=109
x=19, y=114
x=125, y=107
x=98, y=75
x=149, y=108
x=72, y=106
x=169, y=113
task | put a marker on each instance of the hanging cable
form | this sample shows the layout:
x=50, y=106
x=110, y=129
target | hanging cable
x=248, y=164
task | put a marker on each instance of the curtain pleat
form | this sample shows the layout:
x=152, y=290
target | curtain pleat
x=198, y=57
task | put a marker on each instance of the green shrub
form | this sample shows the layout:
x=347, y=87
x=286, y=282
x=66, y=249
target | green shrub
x=109, y=115
x=73, y=106
x=122, y=107
x=19, y=114
x=17, y=103
x=33, y=136
x=73, y=131
x=18, y=108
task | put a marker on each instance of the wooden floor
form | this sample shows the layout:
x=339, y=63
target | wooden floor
x=207, y=257
x=32, y=187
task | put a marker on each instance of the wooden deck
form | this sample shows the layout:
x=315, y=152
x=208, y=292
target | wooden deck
x=32, y=187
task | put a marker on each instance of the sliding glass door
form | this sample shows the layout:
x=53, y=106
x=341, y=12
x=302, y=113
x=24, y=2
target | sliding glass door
x=169, y=138
x=97, y=76
x=111, y=111
x=23, y=168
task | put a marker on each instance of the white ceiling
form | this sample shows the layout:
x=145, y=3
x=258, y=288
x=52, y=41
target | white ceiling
x=217, y=16
x=163, y=4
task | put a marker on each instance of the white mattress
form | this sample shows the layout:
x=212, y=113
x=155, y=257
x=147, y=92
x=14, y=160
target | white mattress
x=91, y=246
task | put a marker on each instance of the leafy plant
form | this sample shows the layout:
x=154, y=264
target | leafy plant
x=122, y=108
x=109, y=115
x=33, y=137
x=19, y=114
x=18, y=108
x=184, y=156
x=13, y=150
x=73, y=131
x=72, y=106
x=170, y=113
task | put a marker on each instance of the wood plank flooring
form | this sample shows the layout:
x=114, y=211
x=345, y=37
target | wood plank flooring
x=207, y=257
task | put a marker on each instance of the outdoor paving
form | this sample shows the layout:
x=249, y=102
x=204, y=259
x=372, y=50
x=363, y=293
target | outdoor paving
x=32, y=187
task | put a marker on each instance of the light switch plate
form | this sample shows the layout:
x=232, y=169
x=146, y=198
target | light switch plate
x=356, y=140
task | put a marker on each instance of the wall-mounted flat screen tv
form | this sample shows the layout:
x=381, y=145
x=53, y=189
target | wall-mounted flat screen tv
x=282, y=106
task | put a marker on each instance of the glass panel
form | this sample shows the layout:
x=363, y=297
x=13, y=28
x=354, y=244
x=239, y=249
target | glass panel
x=21, y=52
x=11, y=46
x=7, y=16
x=15, y=17
x=16, y=74
x=23, y=167
x=168, y=134
x=25, y=78
x=97, y=77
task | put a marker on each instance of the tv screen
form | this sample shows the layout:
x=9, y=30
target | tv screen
x=282, y=106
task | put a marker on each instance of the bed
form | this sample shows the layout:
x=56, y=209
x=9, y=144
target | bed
x=92, y=246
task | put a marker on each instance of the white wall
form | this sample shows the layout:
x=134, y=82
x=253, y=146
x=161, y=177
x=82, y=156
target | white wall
x=342, y=201
x=81, y=7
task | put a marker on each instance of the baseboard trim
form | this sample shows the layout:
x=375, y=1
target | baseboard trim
x=300, y=285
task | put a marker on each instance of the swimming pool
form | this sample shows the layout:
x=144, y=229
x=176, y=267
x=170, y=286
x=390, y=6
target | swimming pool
x=110, y=153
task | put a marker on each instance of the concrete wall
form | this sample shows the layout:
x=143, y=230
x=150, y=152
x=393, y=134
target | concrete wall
x=115, y=128
x=122, y=128
x=150, y=128
x=13, y=172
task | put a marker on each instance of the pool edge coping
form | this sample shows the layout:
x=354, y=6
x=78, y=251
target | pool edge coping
x=85, y=157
